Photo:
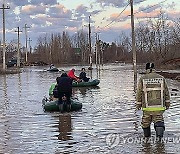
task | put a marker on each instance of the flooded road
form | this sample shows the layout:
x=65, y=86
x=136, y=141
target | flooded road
x=107, y=123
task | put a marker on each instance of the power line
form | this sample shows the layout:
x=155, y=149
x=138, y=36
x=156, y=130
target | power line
x=121, y=13
x=134, y=13
x=118, y=15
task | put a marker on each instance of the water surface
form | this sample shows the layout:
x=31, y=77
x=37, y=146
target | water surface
x=107, y=123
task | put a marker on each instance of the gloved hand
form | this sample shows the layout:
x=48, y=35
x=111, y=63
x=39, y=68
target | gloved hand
x=78, y=80
x=167, y=107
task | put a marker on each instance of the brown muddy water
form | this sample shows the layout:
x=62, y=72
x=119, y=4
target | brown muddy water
x=107, y=123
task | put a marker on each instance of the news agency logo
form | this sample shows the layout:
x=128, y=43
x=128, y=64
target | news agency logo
x=115, y=139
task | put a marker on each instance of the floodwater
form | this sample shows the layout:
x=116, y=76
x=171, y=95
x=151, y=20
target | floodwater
x=107, y=123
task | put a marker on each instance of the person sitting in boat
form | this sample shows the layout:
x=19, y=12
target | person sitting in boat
x=82, y=75
x=64, y=88
x=73, y=76
x=51, y=66
x=53, y=93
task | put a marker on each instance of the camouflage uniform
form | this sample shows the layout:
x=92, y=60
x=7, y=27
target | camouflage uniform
x=153, y=97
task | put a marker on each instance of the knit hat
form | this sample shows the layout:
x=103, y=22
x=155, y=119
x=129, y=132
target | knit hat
x=149, y=66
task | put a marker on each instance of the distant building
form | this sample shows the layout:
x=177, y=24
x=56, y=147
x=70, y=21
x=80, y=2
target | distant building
x=77, y=51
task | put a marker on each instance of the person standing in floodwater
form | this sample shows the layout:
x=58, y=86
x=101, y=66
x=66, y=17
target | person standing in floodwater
x=153, y=97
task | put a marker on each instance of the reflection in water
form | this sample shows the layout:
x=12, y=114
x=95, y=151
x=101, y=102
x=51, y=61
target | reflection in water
x=65, y=127
x=136, y=122
x=19, y=85
x=5, y=102
x=5, y=88
x=157, y=147
x=160, y=148
x=107, y=109
x=98, y=73
x=83, y=91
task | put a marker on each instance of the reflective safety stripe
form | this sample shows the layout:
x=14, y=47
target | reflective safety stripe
x=153, y=89
x=153, y=81
x=154, y=109
x=167, y=100
x=138, y=103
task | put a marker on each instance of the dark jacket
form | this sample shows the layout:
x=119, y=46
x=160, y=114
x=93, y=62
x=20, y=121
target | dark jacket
x=64, y=84
x=82, y=75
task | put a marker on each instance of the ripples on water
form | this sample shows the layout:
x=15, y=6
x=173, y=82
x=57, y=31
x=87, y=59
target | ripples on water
x=108, y=114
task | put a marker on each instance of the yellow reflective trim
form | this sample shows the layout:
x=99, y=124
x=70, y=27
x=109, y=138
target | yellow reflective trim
x=154, y=89
x=154, y=109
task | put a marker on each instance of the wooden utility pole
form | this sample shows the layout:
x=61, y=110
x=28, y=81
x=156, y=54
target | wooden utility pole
x=25, y=28
x=102, y=54
x=18, y=50
x=99, y=50
x=4, y=43
x=29, y=40
x=133, y=47
x=96, y=50
x=116, y=49
x=90, y=54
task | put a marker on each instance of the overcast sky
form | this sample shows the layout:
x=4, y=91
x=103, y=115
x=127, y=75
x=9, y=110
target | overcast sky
x=54, y=16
